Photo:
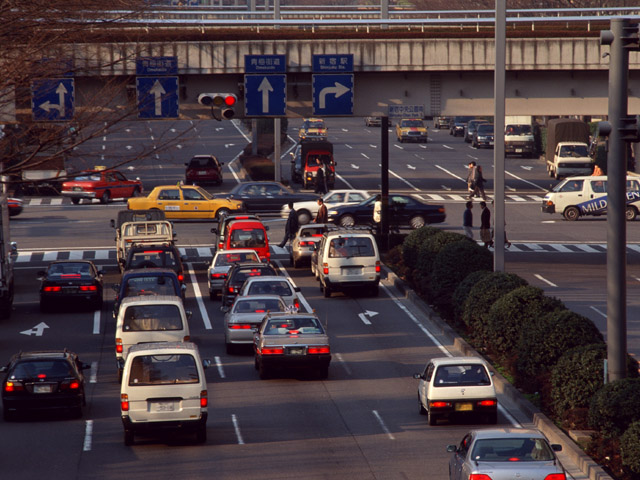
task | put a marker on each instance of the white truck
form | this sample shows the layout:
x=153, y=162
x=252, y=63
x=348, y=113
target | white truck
x=567, y=150
x=519, y=136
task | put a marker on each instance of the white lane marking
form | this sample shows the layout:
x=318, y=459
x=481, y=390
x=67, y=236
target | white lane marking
x=348, y=146
x=88, y=434
x=598, y=311
x=365, y=156
x=382, y=425
x=422, y=146
x=219, y=366
x=373, y=146
x=49, y=256
x=343, y=363
x=536, y=198
x=96, y=322
x=398, y=146
x=364, y=319
x=236, y=427
x=341, y=178
x=93, y=373
x=303, y=301
x=399, y=177
x=534, y=246
x=451, y=173
x=460, y=198
x=525, y=181
x=517, y=198
x=540, y=277
x=198, y=295
x=447, y=146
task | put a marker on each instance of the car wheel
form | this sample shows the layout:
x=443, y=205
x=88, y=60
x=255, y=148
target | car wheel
x=417, y=222
x=262, y=371
x=137, y=192
x=97, y=304
x=326, y=290
x=255, y=362
x=45, y=306
x=201, y=434
x=294, y=263
x=347, y=221
x=128, y=437
x=323, y=372
x=571, y=213
x=423, y=411
x=221, y=213
x=120, y=375
x=75, y=201
x=231, y=348
x=213, y=296
x=630, y=213
x=431, y=418
x=76, y=412
x=374, y=291
x=104, y=199
x=304, y=217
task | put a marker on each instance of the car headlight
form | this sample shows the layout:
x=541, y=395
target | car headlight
x=332, y=212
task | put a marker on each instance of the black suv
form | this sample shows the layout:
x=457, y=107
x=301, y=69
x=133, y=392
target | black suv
x=154, y=281
x=163, y=255
x=44, y=380
x=238, y=273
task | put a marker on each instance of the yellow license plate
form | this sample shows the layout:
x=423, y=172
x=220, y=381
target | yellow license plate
x=464, y=407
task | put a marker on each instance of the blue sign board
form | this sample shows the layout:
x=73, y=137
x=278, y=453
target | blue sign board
x=265, y=95
x=157, y=97
x=333, y=63
x=332, y=94
x=157, y=66
x=265, y=63
x=53, y=99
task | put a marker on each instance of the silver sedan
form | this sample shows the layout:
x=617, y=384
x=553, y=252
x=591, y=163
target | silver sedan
x=305, y=242
x=244, y=317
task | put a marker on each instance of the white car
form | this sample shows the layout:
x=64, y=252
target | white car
x=272, y=285
x=221, y=264
x=451, y=386
x=307, y=210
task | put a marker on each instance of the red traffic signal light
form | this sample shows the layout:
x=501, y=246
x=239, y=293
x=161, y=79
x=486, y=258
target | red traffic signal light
x=221, y=104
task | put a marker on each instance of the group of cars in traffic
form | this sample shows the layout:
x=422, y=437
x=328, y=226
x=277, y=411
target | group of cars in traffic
x=478, y=132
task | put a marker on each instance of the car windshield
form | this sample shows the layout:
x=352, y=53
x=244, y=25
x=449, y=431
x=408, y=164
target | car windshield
x=248, y=238
x=157, y=258
x=314, y=125
x=512, y=450
x=461, y=374
x=518, y=130
x=412, y=123
x=485, y=129
x=293, y=326
x=147, y=318
x=163, y=370
x=156, y=285
x=70, y=270
x=226, y=259
x=42, y=369
x=270, y=287
x=574, y=151
x=259, y=305
x=202, y=163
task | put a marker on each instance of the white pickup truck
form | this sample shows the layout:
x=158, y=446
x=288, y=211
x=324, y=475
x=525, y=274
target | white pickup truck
x=570, y=158
x=146, y=232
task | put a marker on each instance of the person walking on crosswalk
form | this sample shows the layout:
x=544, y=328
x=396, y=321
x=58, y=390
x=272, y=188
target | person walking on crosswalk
x=467, y=220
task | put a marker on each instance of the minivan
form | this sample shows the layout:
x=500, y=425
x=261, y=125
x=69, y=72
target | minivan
x=248, y=234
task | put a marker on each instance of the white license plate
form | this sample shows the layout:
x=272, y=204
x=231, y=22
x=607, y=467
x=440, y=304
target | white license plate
x=42, y=389
x=296, y=351
x=352, y=271
x=518, y=150
x=202, y=173
x=164, y=406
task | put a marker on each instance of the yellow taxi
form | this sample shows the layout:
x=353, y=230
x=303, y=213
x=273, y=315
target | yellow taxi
x=185, y=202
x=411, y=130
x=312, y=129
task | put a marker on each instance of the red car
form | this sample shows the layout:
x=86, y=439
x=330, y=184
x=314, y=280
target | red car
x=203, y=169
x=104, y=185
x=15, y=206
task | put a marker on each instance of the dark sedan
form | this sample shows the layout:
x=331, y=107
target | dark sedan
x=70, y=281
x=404, y=211
x=266, y=196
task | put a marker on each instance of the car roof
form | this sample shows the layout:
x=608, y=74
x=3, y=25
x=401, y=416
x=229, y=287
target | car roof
x=44, y=354
x=235, y=251
x=486, y=433
x=151, y=300
x=251, y=265
x=267, y=278
x=292, y=314
x=163, y=348
x=457, y=360
x=247, y=224
x=149, y=272
x=152, y=246
x=261, y=296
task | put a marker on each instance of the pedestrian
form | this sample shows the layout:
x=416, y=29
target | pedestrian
x=291, y=228
x=377, y=212
x=322, y=216
x=467, y=220
x=485, y=225
x=321, y=181
x=480, y=181
x=472, y=178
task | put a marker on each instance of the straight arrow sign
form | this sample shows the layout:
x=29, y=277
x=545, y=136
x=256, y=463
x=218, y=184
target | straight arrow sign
x=38, y=330
x=265, y=88
x=157, y=91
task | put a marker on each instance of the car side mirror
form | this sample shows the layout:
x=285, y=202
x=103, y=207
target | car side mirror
x=206, y=363
x=418, y=376
x=85, y=366
x=556, y=447
x=296, y=289
x=41, y=275
x=221, y=163
x=101, y=272
x=452, y=448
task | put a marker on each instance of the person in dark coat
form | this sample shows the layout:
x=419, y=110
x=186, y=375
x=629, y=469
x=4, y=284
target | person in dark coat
x=485, y=225
x=291, y=228
x=322, y=215
x=321, y=181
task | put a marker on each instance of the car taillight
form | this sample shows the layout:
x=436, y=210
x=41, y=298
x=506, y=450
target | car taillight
x=441, y=210
x=556, y=476
x=88, y=288
x=218, y=275
x=10, y=386
x=231, y=289
x=479, y=476
x=296, y=303
x=378, y=267
x=119, y=345
x=439, y=404
x=487, y=403
x=325, y=268
x=124, y=402
x=319, y=350
x=240, y=326
x=186, y=338
x=272, y=351
x=180, y=277
x=74, y=385
x=52, y=289
x=220, y=246
x=204, y=401
x=306, y=244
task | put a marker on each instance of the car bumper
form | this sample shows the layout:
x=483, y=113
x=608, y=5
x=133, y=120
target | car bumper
x=34, y=403
x=518, y=148
x=186, y=425
x=342, y=282
x=70, y=194
x=241, y=336
x=296, y=361
x=548, y=208
x=82, y=297
x=414, y=138
x=463, y=407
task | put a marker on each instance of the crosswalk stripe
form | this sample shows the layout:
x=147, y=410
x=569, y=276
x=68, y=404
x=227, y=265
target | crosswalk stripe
x=586, y=248
x=23, y=257
x=560, y=248
x=457, y=197
x=204, y=252
x=102, y=254
x=56, y=201
x=35, y=201
x=50, y=256
x=534, y=246
x=517, y=198
x=535, y=198
x=433, y=196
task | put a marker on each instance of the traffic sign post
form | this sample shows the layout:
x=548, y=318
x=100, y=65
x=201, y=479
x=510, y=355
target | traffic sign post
x=157, y=97
x=332, y=94
x=265, y=95
x=53, y=99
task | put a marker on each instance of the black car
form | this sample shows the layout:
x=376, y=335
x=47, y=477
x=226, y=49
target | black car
x=404, y=211
x=266, y=196
x=45, y=380
x=296, y=165
x=147, y=281
x=224, y=221
x=238, y=273
x=458, y=125
x=163, y=255
x=70, y=282
x=483, y=137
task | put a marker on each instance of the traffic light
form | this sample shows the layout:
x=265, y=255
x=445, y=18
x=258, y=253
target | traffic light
x=222, y=104
x=630, y=128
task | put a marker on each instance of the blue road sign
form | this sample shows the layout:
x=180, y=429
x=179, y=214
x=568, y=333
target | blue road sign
x=332, y=63
x=157, y=97
x=265, y=63
x=53, y=99
x=332, y=94
x=157, y=66
x=265, y=95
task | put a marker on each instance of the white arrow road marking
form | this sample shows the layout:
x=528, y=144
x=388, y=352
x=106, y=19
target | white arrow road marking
x=423, y=146
x=373, y=146
x=511, y=189
x=227, y=145
x=355, y=166
x=364, y=319
x=219, y=129
x=265, y=87
x=370, y=314
x=37, y=330
x=131, y=168
x=344, y=129
x=447, y=146
x=398, y=146
x=446, y=188
x=526, y=167
x=410, y=167
x=338, y=90
x=157, y=90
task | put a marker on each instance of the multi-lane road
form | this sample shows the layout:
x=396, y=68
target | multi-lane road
x=363, y=421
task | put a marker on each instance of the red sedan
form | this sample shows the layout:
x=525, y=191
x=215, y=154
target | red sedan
x=104, y=185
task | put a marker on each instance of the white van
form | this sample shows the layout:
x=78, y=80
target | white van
x=346, y=259
x=146, y=319
x=164, y=387
x=575, y=197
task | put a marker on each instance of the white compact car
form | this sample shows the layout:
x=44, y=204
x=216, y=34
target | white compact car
x=272, y=285
x=221, y=263
x=307, y=211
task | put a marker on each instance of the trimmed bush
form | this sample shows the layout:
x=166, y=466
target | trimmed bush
x=511, y=314
x=482, y=296
x=426, y=255
x=462, y=292
x=615, y=406
x=452, y=265
x=630, y=448
x=411, y=245
x=548, y=337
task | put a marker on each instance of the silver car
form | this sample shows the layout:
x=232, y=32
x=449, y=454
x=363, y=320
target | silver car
x=305, y=242
x=505, y=454
x=244, y=317
x=272, y=285
x=221, y=264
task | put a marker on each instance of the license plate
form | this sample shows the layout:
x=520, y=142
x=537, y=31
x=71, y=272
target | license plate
x=42, y=389
x=296, y=351
x=202, y=172
x=352, y=271
x=77, y=189
x=464, y=407
x=164, y=406
x=518, y=150
x=69, y=289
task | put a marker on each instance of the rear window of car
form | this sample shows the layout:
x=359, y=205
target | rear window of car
x=69, y=270
x=159, y=258
x=150, y=318
x=247, y=238
x=293, y=326
x=87, y=178
x=159, y=285
x=347, y=247
x=202, y=163
x=163, y=370
x=258, y=306
x=271, y=287
x=226, y=259
x=242, y=275
x=463, y=374
x=512, y=450
x=42, y=369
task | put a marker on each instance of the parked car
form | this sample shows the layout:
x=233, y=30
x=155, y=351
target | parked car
x=220, y=265
x=149, y=282
x=266, y=196
x=505, y=453
x=102, y=184
x=244, y=318
x=308, y=210
x=43, y=381
x=69, y=282
x=202, y=169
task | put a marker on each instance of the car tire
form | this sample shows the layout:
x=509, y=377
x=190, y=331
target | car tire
x=255, y=362
x=571, y=213
x=323, y=372
x=75, y=201
x=417, y=221
x=492, y=418
x=213, y=296
x=129, y=438
x=347, y=221
x=431, y=418
x=374, y=291
x=263, y=372
x=45, y=306
x=76, y=412
x=106, y=196
x=304, y=217
x=294, y=263
x=326, y=290
x=231, y=348
x=630, y=213
x=7, y=415
x=221, y=213
x=201, y=434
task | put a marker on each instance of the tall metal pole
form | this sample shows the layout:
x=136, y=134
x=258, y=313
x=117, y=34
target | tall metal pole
x=276, y=148
x=498, y=128
x=616, y=206
x=384, y=181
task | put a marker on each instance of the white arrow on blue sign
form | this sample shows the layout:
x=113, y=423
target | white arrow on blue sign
x=265, y=95
x=332, y=94
x=157, y=97
x=53, y=99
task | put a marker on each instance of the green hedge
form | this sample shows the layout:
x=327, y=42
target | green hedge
x=630, y=448
x=427, y=252
x=412, y=244
x=462, y=292
x=615, y=406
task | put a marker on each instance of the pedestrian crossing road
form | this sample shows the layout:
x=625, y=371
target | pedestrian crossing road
x=205, y=254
